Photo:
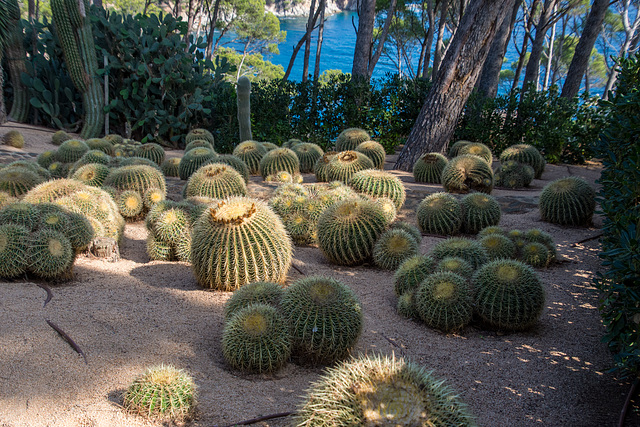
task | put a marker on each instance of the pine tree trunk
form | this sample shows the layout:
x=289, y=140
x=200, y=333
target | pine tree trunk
x=532, y=72
x=316, y=69
x=437, y=55
x=582, y=54
x=455, y=80
x=362, y=52
x=307, y=42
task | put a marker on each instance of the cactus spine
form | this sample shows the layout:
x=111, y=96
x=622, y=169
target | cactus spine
x=244, y=107
x=76, y=38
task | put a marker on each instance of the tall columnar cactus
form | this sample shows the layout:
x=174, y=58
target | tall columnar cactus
x=348, y=230
x=377, y=183
x=477, y=149
x=526, y=154
x=479, y=210
x=346, y=163
x=162, y=393
x=76, y=38
x=250, y=152
x=381, y=391
x=374, y=151
x=277, y=160
x=350, y=138
x=324, y=316
x=567, y=201
x=444, y=301
x=509, y=295
x=428, y=168
x=440, y=213
x=467, y=173
x=11, y=42
x=244, y=108
x=238, y=241
x=308, y=154
x=256, y=339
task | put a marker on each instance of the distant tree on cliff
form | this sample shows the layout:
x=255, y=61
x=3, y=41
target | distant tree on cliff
x=455, y=79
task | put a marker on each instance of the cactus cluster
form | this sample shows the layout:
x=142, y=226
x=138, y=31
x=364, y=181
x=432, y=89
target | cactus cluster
x=378, y=391
x=199, y=134
x=169, y=224
x=123, y=147
x=440, y=213
x=350, y=138
x=525, y=154
x=250, y=152
x=454, y=149
x=428, y=168
x=345, y=164
x=466, y=173
x=284, y=177
x=162, y=393
x=100, y=144
x=568, y=201
x=308, y=154
x=534, y=246
x=373, y=150
x=238, y=241
x=377, y=183
x=324, y=316
x=268, y=293
x=467, y=249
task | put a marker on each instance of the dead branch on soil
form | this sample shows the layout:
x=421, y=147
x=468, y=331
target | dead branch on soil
x=68, y=339
x=48, y=291
x=260, y=419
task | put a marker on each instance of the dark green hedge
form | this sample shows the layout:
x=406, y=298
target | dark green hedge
x=619, y=198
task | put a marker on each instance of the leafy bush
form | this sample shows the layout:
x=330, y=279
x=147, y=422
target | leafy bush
x=620, y=152
x=563, y=130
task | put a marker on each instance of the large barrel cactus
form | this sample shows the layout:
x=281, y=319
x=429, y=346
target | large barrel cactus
x=217, y=181
x=250, y=152
x=526, y=154
x=199, y=134
x=428, y=168
x=381, y=391
x=308, y=154
x=238, y=241
x=324, y=317
x=277, y=160
x=509, y=295
x=440, y=213
x=479, y=210
x=467, y=173
x=567, y=201
x=512, y=174
x=373, y=150
x=444, y=301
x=377, y=183
x=348, y=230
x=467, y=249
x=350, y=138
x=454, y=149
x=345, y=164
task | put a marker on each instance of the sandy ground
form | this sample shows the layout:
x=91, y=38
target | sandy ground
x=129, y=315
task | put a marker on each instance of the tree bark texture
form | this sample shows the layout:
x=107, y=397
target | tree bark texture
x=532, y=72
x=307, y=43
x=212, y=28
x=488, y=82
x=362, y=52
x=582, y=54
x=316, y=68
x=437, y=55
x=455, y=80
x=383, y=36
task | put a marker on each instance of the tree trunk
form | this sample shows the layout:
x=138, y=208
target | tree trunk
x=532, y=72
x=429, y=41
x=362, y=52
x=383, y=36
x=191, y=17
x=297, y=47
x=437, y=55
x=525, y=44
x=97, y=3
x=307, y=42
x=488, y=83
x=3, y=109
x=582, y=54
x=212, y=27
x=455, y=80
x=547, y=68
x=316, y=68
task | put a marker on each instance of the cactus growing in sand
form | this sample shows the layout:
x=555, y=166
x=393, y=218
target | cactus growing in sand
x=479, y=210
x=277, y=160
x=308, y=154
x=374, y=151
x=250, y=152
x=467, y=249
x=377, y=183
x=217, y=181
x=444, y=301
x=151, y=151
x=350, y=138
x=253, y=293
x=526, y=154
x=439, y=213
x=467, y=173
x=345, y=164
x=411, y=272
x=393, y=247
x=567, y=201
x=428, y=168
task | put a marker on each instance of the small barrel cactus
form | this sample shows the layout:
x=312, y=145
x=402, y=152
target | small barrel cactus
x=321, y=167
x=280, y=159
x=477, y=149
x=348, y=229
x=113, y=138
x=308, y=154
x=198, y=143
x=428, y=168
x=80, y=231
x=454, y=149
x=378, y=391
x=130, y=204
x=268, y=293
x=492, y=229
x=455, y=265
x=512, y=174
x=467, y=249
x=138, y=178
x=324, y=316
x=199, y=134
x=59, y=170
x=53, y=217
x=567, y=201
x=535, y=254
x=162, y=393
x=14, y=250
x=100, y=144
x=284, y=177
x=250, y=152
x=92, y=174
x=256, y=339
x=192, y=160
x=479, y=210
x=159, y=250
x=236, y=163
x=538, y=236
x=411, y=272
x=392, y=248
x=170, y=225
x=51, y=255
x=238, y=241
x=345, y=164
x=71, y=151
x=467, y=173
x=350, y=138
x=59, y=137
x=45, y=158
x=406, y=307
x=170, y=167
x=153, y=196
x=498, y=246
x=526, y=154
x=290, y=143
x=151, y=151
x=377, y=183
x=444, y=301
x=18, y=181
x=409, y=228
x=509, y=295
x=13, y=138
x=217, y=181
x=440, y=213
x=373, y=150
x=271, y=146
